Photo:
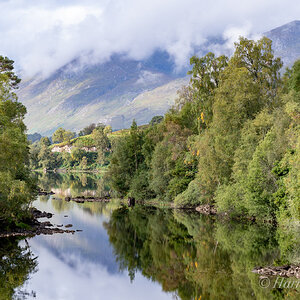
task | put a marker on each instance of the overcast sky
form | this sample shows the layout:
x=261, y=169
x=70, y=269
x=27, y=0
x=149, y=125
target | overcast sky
x=43, y=35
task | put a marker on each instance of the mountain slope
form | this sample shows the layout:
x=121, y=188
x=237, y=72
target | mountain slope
x=74, y=97
x=286, y=41
x=117, y=91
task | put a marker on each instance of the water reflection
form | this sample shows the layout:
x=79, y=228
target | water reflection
x=142, y=252
x=196, y=256
x=73, y=184
x=16, y=264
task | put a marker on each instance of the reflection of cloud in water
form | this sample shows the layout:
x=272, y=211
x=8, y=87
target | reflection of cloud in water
x=83, y=265
x=97, y=251
x=92, y=244
x=58, y=280
x=62, y=193
x=84, y=213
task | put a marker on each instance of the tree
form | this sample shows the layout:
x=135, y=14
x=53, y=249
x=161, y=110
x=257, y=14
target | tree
x=246, y=86
x=102, y=143
x=258, y=58
x=68, y=135
x=6, y=69
x=206, y=76
x=77, y=154
x=107, y=130
x=126, y=159
x=16, y=187
x=62, y=135
x=87, y=130
x=156, y=120
x=135, y=143
x=58, y=135
x=84, y=163
x=45, y=141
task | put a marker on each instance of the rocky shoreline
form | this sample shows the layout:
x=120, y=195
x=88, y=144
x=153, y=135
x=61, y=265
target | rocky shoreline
x=36, y=227
x=283, y=271
x=83, y=199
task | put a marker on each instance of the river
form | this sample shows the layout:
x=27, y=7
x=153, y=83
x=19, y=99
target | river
x=139, y=253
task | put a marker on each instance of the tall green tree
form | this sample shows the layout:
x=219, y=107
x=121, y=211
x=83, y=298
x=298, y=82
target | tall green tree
x=16, y=186
x=62, y=135
x=126, y=159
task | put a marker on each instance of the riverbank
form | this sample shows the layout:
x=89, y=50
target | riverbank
x=34, y=227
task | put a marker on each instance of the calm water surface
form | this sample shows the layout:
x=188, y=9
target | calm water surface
x=138, y=253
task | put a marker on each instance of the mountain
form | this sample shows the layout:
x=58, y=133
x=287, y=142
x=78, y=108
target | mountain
x=286, y=42
x=76, y=96
x=121, y=89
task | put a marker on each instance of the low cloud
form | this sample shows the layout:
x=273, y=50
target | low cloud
x=42, y=36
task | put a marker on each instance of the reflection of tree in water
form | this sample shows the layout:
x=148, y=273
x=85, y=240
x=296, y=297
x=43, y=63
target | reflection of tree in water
x=74, y=184
x=61, y=206
x=16, y=264
x=195, y=256
x=46, y=181
x=44, y=198
x=153, y=242
x=100, y=208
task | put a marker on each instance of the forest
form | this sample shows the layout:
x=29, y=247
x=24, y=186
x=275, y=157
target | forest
x=231, y=140
x=17, y=187
x=199, y=256
x=95, y=137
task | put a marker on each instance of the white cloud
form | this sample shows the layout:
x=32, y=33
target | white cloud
x=75, y=277
x=42, y=36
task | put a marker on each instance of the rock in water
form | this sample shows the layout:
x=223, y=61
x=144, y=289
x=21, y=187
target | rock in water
x=131, y=201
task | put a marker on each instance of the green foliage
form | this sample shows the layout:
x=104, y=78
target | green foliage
x=139, y=187
x=107, y=130
x=62, y=135
x=261, y=183
x=84, y=163
x=126, y=159
x=72, y=151
x=16, y=186
x=198, y=257
x=77, y=154
x=294, y=81
x=89, y=129
x=190, y=197
x=16, y=265
x=156, y=120
x=84, y=141
x=7, y=70
x=231, y=139
x=102, y=143
x=160, y=169
x=264, y=182
x=206, y=73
